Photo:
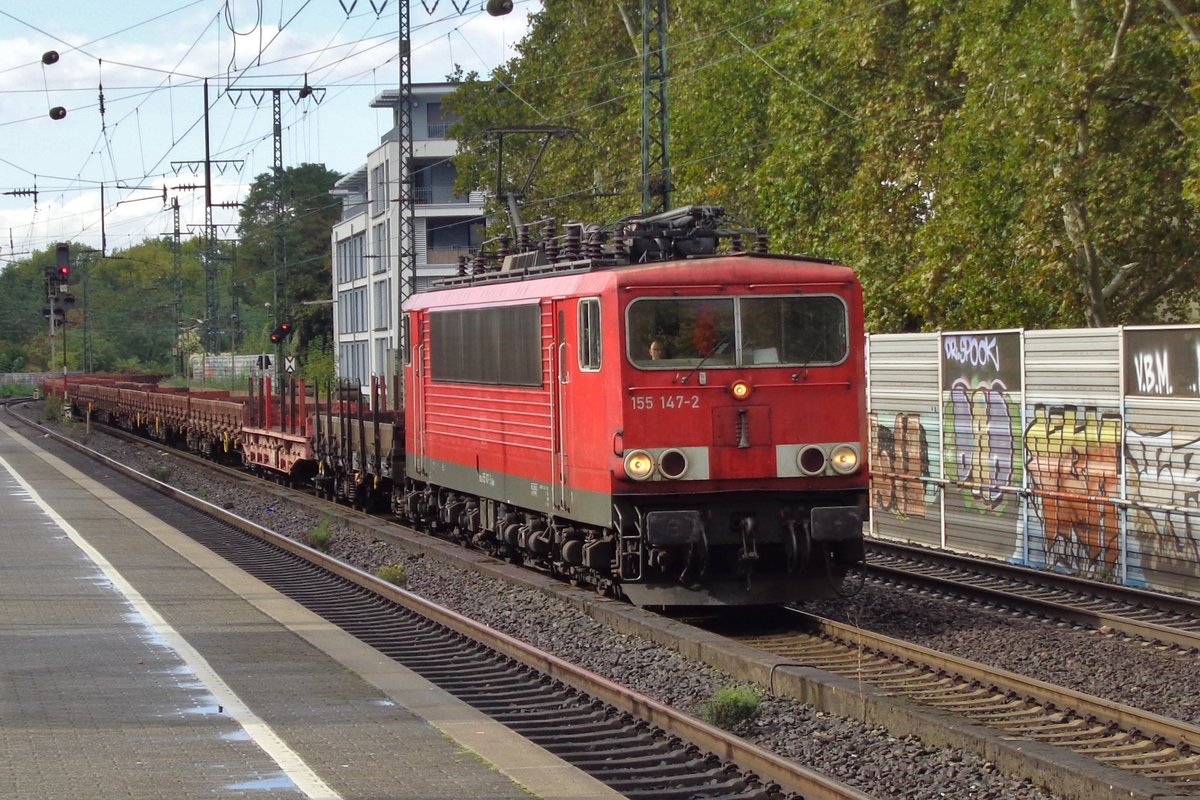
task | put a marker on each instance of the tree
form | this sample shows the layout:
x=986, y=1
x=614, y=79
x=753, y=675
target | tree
x=302, y=270
x=578, y=69
x=981, y=164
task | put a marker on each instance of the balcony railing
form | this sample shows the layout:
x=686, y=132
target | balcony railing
x=438, y=195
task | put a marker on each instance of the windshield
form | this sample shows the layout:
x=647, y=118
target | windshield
x=671, y=333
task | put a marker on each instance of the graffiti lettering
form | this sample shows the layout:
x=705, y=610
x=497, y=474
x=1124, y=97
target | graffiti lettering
x=899, y=461
x=1071, y=457
x=1164, y=485
x=978, y=351
x=981, y=441
x=1153, y=372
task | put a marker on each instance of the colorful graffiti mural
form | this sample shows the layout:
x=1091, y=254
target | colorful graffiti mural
x=1072, y=458
x=981, y=386
x=899, y=466
x=1163, y=487
x=981, y=443
x=1075, y=450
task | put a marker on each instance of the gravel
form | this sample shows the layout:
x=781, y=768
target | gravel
x=863, y=756
x=1165, y=681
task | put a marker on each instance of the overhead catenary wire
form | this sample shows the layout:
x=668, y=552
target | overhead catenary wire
x=150, y=167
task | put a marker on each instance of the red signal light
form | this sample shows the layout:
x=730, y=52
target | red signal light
x=281, y=332
x=62, y=263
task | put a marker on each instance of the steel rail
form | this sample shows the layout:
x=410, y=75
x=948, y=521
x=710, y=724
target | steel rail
x=1127, y=717
x=1048, y=593
x=1112, y=733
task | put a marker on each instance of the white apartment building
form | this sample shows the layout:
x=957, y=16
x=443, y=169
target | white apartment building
x=367, y=276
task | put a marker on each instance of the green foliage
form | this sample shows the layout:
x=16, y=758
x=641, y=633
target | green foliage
x=144, y=308
x=320, y=537
x=160, y=472
x=979, y=164
x=309, y=214
x=8, y=390
x=730, y=707
x=52, y=409
x=395, y=574
x=319, y=367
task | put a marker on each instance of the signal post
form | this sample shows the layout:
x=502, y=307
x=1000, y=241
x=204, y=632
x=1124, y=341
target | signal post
x=58, y=300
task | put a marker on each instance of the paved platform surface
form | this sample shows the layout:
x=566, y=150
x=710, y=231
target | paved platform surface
x=136, y=664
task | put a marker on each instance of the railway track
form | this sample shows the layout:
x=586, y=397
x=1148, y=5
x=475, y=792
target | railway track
x=1112, y=734
x=1157, y=618
x=634, y=744
x=1166, y=749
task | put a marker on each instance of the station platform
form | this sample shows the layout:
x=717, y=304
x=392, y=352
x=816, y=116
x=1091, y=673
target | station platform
x=136, y=664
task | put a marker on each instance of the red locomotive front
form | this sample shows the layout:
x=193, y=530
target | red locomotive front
x=684, y=431
x=742, y=430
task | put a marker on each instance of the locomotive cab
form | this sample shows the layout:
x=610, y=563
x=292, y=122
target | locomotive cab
x=741, y=468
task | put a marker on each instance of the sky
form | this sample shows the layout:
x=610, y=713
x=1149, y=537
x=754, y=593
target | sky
x=130, y=76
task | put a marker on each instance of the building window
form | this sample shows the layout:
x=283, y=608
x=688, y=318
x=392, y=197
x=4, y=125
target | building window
x=383, y=304
x=351, y=263
x=433, y=183
x=437, y=122
x=383, y=346
x=446, y=239
x=352, y=310
x=379, y=189
x=352, y=362
x=381, y=242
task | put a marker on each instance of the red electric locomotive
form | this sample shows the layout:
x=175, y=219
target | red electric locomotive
x=671, y=425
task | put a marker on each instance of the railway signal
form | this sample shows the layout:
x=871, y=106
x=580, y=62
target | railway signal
x=62, y=264
x=281, y=332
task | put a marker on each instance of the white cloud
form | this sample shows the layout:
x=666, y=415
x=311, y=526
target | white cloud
x=153, y=107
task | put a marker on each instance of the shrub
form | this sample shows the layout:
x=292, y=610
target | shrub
x=16, y=390
x=731, y=706
x=395, y=574
x=52, y=409
x=320, y=537
x=160, y=472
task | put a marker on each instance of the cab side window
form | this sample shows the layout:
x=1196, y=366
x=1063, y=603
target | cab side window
x=589, y=334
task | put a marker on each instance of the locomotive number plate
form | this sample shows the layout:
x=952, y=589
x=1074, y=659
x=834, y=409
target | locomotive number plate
x=666, y=402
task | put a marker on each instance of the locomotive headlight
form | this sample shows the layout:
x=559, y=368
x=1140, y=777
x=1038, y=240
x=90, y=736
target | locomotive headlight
x=639, y=464
x=811, y=460
x=844, y=459
x=740, y=390
x=673, y=464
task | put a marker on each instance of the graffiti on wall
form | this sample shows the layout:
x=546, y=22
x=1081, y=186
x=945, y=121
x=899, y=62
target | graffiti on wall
x=1163, y=486
x=1072, y=459
x=1162, y=362
x=981, y=373
x=900, y=466
x=981, y=443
